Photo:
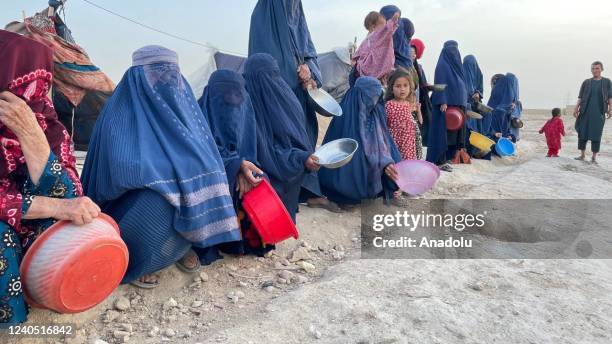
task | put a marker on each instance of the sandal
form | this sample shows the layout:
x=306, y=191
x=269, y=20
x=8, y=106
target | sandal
x=184, y=268
x=400, y=201
x=327, y=205
x=446, y=168
x=144, y=283
x=580, y=158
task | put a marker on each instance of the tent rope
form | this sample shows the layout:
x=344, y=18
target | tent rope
x=205, y=45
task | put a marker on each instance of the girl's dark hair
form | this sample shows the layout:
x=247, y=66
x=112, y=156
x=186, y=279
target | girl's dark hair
x=556, y=112
x=371, y=19
x=398, y=73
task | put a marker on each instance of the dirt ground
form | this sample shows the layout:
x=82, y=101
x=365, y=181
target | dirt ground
x=318, y=290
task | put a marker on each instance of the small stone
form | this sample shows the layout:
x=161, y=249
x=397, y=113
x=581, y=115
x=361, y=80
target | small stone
x=475, y=286
x=110, y=316
x=269, y=254
x=243, y=284
x=282, y=281
x=284, y=261
x=232, y=267
x=197, y=279
x=195, y=285
x=300, y=254
x=196, y=311
x=306, y=266
x=299, y=279
x=122, y=304
x=99, y=341
x=126, y=327
x=235, y=295
x=187, y=334
x=338, y=255
x=171, y=303
x=240, y=294
x=355, y=239
x=287, y=275
x=153, y=332
x=339, y=248
x=266, y=284
x=120, y=334
x=315, y=333
x=197, y=304
x=278, y=265
x=203, y=276
x=270, y=289
x=169, y=333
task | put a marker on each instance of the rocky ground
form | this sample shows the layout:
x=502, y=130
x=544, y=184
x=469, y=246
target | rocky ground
x=317, y=290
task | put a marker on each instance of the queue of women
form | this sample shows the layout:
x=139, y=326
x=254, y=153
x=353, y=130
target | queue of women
x=171, y=170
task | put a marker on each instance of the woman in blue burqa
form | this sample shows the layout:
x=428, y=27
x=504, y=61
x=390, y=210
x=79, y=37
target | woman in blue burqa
x=517, y=107
x=443, y=144
x=279, y=28
x=475, y=87
x=154, y=167
x=498, y=125
x=230, y=115
x=370, y=173
x=284, y=150
x=401, y=37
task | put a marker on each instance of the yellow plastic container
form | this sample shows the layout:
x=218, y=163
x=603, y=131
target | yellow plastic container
x=481, y=142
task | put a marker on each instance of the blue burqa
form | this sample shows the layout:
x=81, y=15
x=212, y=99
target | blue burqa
x=474, y=82
x=449, y=71
x=518, y=106
x=279, y=28
x=401, y=38
x=151, y=135
x=365, y=121
x=501, y=101
x=282, y=143
x=227, y=107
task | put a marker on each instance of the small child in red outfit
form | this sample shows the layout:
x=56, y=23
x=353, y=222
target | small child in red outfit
x=554, y=129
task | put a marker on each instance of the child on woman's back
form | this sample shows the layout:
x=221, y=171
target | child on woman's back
x=554, y=129
x=375, y=56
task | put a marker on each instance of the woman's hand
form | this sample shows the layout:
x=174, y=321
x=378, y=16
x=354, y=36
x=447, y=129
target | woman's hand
x=19, y=118
x=309, y=84
x=312, y=163
x=396, y=16
x=443, y=107
x=17, y=115
x=391, y=172
x=80, y=210
x=304, y=72
x=249, y=177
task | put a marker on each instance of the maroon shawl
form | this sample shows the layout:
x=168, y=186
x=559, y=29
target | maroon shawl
x=26, y=72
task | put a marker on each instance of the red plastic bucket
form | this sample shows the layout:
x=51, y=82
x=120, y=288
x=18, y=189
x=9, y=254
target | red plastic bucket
x=268, y=214
x=71, y=268
x=454, y=118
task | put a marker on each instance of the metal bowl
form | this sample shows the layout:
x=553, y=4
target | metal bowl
x=337, y=153
x=483, y=108
x=437, y=87
x=324, y=103
x=474, y=115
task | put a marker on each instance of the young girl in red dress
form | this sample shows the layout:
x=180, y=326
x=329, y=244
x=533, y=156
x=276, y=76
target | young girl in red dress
x=554, y=129
x=401, y=104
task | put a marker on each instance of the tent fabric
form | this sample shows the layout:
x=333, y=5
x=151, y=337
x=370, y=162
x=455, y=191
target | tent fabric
x=335, y=67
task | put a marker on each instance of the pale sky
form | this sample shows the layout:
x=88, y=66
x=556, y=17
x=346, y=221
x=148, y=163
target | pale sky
x=548, y=44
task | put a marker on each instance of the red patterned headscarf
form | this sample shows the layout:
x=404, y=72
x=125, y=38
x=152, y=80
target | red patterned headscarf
x=26, y=72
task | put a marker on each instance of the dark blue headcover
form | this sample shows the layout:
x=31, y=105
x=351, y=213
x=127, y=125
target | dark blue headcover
x=152, y=135
x=401, y=38
x=227, y=107
x=365, y=121
x=501, y=101
x=282, y=143
x=449, y=71
x=473, y=75
x=279, y=28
